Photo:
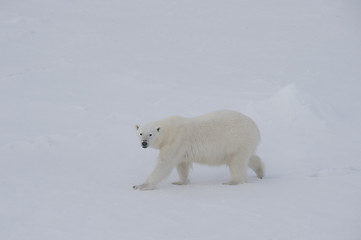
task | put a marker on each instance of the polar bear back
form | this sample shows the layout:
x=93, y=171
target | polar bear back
x=211, y=139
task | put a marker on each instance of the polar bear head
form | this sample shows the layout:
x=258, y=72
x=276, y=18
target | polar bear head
x=148, y=134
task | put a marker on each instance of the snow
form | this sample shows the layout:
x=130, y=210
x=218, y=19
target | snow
x=76, y=76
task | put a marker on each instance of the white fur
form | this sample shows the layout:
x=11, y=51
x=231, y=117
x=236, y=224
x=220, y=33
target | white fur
x=222, y=137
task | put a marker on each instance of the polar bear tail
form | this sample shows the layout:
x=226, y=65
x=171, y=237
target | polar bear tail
x=257, y=166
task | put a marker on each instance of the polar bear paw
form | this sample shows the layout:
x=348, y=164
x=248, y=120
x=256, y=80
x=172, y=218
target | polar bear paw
x=181, y=182
x=233, y=182
x=144, y=186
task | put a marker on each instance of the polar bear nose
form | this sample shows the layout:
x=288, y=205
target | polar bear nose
x=144, y=144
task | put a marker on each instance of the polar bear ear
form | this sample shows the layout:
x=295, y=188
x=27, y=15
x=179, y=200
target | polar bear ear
x=158, y=129
x=137, y=127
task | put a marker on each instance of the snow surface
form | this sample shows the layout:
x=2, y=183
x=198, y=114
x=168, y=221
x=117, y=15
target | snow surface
x=76, y=76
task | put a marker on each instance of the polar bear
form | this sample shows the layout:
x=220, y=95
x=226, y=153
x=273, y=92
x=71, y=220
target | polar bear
x=221, y=137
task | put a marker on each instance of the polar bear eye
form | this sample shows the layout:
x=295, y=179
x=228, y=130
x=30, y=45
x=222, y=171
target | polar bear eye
x=150, y=135
x=140, y=134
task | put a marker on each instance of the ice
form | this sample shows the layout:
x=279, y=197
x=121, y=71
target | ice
x=76, y=76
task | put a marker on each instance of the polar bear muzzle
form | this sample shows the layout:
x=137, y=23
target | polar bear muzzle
x=144, y=144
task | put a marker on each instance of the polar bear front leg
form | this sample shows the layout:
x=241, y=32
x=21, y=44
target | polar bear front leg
x=161, y=171
x=183, y=172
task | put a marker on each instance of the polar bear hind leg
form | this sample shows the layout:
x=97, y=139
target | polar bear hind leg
x=257, y=166
x=238, y=169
